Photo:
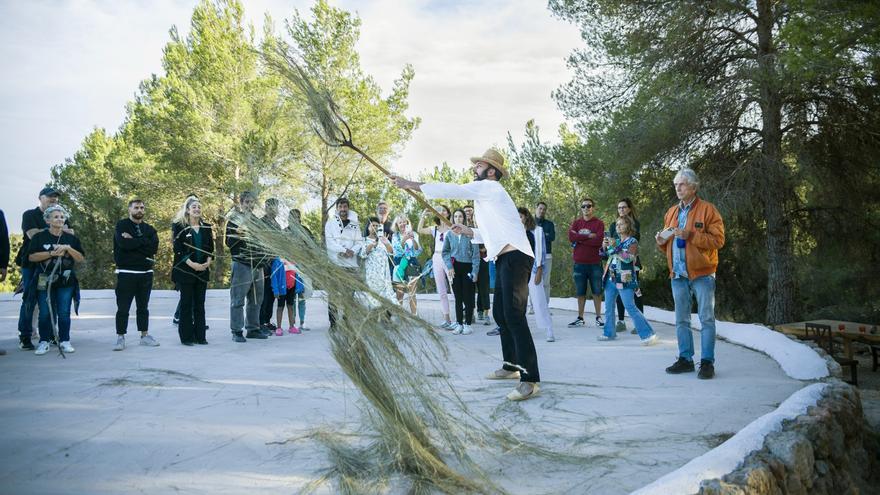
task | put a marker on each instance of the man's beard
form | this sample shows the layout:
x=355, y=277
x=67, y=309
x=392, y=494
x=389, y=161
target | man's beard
x=137, y=216
x=482, y=176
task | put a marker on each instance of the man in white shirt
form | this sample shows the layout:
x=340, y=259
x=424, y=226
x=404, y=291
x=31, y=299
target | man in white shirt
x=342, y=237
x=504, y=236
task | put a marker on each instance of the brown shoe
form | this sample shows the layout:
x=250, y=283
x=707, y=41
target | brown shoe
x=524, y=391
x=503, y=374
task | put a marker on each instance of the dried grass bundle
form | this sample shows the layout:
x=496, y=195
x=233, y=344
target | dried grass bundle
x=394, y=359
x=325, y=115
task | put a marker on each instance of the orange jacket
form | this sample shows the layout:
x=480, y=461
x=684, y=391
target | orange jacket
x=707, y=237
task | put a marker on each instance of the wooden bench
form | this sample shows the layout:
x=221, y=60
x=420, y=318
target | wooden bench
x=821, y=334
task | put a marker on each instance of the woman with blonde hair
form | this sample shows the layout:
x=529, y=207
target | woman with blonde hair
x=407, y=249
x=55, y=254
x=193, y=253
x=622, y=278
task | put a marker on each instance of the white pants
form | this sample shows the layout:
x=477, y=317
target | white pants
x=442, y=282
x=539, y=304
x=545, y=279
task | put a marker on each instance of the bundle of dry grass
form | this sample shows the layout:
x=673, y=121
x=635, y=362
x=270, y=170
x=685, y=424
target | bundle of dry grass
x=396, y=361
x=421, y=427
x=325, y=115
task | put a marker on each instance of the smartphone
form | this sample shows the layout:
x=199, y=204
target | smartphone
x=665, y=234
x=380, y=230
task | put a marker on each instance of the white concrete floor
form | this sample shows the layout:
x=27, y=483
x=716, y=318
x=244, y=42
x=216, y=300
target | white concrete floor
x=201, y=419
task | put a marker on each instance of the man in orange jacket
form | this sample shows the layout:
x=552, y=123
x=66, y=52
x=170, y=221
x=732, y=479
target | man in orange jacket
x=692, y=234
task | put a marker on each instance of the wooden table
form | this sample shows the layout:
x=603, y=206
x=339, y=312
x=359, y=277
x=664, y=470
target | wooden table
x=849, y=334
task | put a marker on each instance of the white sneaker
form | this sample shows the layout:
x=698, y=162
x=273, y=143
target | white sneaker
x=551, y=339
x=466, y=330
x=457, y=329
x=42, y=348
x=650, y=340
x=446, y=325
x=66, y=347
x=148, y=340
x=120, y=343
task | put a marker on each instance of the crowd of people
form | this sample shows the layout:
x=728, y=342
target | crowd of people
x=490, y=242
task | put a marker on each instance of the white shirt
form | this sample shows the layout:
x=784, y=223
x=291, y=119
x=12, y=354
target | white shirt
x=494, y=212
x=339, y=238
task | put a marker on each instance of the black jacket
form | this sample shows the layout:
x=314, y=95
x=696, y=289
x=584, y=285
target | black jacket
x=243, y=251
x=136, y=253
x=4, y=241
x=549, y=232
x=184, y=250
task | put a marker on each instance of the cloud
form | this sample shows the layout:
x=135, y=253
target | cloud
x=483, y=68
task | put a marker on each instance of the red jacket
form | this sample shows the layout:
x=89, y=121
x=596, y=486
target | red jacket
x=707, y=237
x=586, y=249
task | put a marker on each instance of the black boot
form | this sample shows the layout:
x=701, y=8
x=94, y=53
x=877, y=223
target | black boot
x=256, y=334
x=238, y=337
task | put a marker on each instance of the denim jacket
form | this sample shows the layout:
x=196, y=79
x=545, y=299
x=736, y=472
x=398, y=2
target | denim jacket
x=460, y=248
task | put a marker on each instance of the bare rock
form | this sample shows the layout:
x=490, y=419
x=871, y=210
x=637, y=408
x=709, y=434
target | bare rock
x=829, y=450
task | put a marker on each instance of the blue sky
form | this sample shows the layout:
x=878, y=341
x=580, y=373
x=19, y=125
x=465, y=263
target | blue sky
x=483, y=68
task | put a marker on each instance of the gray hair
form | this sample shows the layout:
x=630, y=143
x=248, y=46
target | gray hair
x=52, y=209
x=689, y=176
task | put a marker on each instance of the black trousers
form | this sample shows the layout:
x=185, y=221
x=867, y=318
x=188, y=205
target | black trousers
x=463, y=288
x=483, y=286
x=512, y=272
x=137, y=287
x=268, y=303
x=192, y=311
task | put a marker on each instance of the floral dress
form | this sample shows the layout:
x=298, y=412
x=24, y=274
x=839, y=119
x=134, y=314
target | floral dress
x=378, y=275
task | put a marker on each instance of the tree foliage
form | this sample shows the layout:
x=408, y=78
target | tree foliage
x=217, y=122
x=742, y=92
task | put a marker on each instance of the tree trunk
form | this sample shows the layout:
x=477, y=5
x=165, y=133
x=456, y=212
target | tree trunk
x=781, y=285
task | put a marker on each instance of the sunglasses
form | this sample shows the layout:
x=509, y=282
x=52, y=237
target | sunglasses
x=586, y=206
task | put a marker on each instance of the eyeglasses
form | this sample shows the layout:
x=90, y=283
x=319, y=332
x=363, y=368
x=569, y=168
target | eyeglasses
x=586, y=206
x=622, y=207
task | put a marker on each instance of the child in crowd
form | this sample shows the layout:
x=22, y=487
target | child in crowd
x=289, y=287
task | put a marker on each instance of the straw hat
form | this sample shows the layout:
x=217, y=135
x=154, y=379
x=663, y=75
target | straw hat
x=492, y=157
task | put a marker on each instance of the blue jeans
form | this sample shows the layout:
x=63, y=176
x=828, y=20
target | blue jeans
x=704, y=288
x=25, y=314
x=61, y=300
x=643, y=328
